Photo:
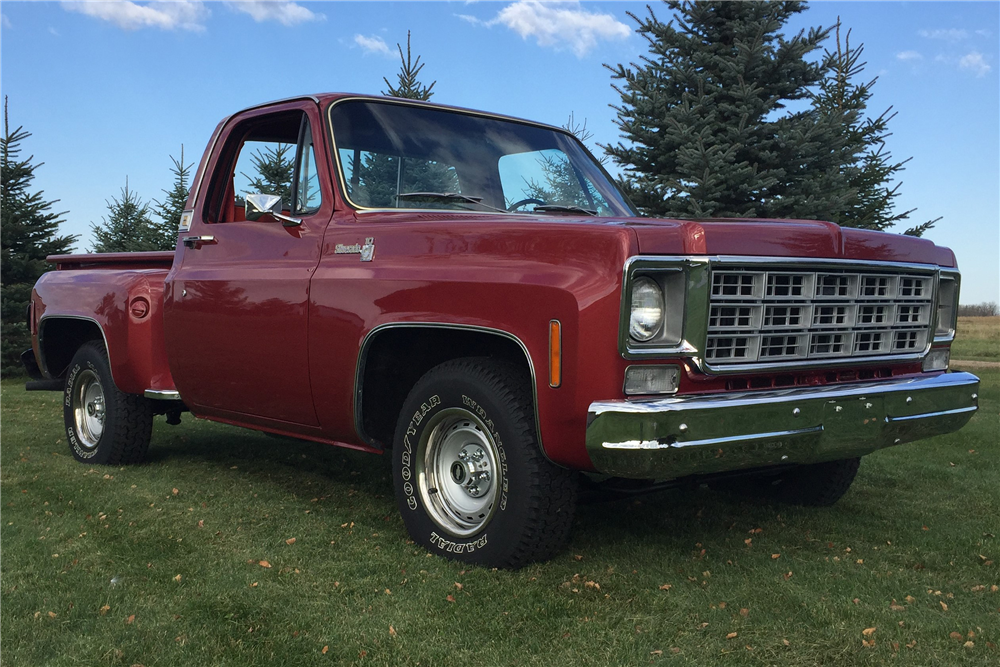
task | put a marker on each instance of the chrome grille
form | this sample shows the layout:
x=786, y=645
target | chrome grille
x=773, y=315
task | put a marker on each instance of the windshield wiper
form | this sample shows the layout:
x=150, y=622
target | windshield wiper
x=559, y=208
x=448, y=196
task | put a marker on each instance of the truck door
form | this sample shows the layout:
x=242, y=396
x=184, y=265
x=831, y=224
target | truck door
x=236, y=304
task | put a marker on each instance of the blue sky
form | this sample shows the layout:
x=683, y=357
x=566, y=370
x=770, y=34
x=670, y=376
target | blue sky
x=111, y=89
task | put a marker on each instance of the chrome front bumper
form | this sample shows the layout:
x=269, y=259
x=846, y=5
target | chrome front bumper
x=675, y=437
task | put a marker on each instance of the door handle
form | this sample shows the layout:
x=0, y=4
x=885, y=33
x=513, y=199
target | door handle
x=196, y=242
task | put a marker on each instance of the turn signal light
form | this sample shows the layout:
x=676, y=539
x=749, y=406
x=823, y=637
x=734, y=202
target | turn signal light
x=555, y=353
x=641, y=380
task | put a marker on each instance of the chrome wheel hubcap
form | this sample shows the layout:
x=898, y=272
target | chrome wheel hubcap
x=89, y=409
x=457, y=472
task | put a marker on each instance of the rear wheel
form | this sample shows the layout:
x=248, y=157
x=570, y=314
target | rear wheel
x=471, y=481
x=103, y=424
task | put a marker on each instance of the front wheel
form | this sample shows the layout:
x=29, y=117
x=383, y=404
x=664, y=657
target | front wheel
x=103, y=424
x=470, y=479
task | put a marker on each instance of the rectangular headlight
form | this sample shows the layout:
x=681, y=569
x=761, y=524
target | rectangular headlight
x=947, y=305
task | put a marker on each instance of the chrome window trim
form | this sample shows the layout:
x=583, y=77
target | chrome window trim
x=698, y=301
x=363, y=358
x=420, y=104
x=200, y=177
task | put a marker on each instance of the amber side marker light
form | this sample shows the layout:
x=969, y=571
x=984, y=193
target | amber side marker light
x=555, y=353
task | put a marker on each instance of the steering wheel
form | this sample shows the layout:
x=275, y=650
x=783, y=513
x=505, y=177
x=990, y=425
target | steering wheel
x=529, y=200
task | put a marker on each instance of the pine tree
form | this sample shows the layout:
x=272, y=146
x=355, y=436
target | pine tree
x=870, y=166
x=408, y=86
x=380, y=176
x=128, y=226
x=169, y=211
x=706, y=117
x=274, y=167
x=28, y=233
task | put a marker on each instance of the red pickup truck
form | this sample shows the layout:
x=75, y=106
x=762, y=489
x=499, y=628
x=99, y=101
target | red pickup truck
x=473, y=295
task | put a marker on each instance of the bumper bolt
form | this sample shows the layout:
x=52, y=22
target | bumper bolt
x=683, y=428
x=796, y=412
x=909, y=399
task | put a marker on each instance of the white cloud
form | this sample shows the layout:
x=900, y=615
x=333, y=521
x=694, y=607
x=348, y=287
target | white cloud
x=284, y=12
x=557, y=24
x=373, y=44
x=983, y=33
x=128, y=15
x=908, y=55
x=53, y=31
x=975, y=62
x=950, y=34
x=5, y=21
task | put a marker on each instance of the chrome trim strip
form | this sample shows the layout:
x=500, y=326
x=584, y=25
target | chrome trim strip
x=709, y=442
x=369, y=337
x=929, y=415
x=55, y=316
x=751, y=398
x=162, y=394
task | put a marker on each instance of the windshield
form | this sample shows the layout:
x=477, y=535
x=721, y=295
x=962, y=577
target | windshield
x=399, y=156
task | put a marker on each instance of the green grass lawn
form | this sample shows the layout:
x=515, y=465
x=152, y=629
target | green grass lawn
x=189, y=560
x=977, y=339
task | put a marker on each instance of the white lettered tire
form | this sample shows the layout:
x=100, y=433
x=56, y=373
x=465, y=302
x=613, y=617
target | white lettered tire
x=103, y=425
x=471, y=481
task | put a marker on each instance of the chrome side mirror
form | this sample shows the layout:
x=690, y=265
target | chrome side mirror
x=258, y=205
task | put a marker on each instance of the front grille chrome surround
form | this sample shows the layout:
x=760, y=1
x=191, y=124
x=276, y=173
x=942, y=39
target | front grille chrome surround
x=787, y=313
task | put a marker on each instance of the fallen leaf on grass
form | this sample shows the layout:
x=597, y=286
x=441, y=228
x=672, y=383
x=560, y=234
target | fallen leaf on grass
x=956, y=636
x=775, y=556
x=894, y=606
x=392, y=631
x=458, y=586
x=264, y=563
x=944, y=607
x=912, y=644
x=52, y=614
x=722, y=605
x=174, y=491
x=201, y=523
x=325, y=649
x=103, y=610
x=657, y=652
x=130, y=619
x=177, y=578
x=788, y=575
x=450, y=598
x=731, y=635
x=994, y=588
x=254, y=585
x=748, y=541
x=968, y=644
x=856, y=601
x=785, y=642
x=666, y=587
x=578, y=557
x=895, y=646
x=868, y=632
x=744, y=612
x=868, y=643
x=290, y=540
x=910, y=599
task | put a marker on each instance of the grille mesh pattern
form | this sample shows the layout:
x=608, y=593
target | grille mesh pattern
x=764, y=315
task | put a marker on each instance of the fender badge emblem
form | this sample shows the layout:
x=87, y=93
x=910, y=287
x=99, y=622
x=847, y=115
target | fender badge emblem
x=367, y=251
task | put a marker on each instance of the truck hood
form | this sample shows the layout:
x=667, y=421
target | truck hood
x=781, y=238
